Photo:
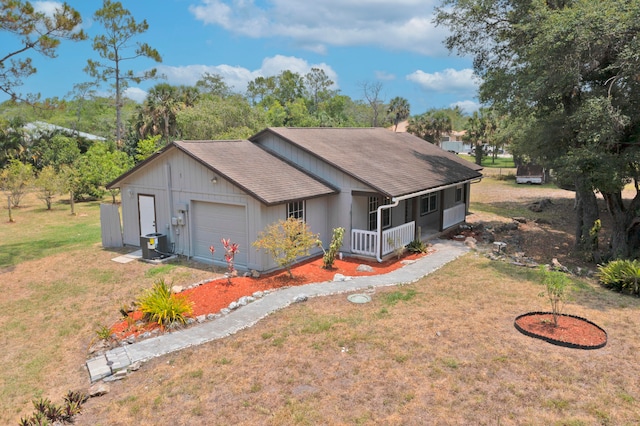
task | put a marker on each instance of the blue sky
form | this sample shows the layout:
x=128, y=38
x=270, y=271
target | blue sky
x=356, y=42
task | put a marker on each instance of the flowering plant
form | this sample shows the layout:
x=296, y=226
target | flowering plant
x=212, y=250
x=230, y=252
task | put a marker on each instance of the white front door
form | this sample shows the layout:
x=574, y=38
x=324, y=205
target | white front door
x=147, y=211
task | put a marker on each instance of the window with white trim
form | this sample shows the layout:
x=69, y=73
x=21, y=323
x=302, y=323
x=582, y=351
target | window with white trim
x=428, y=203
x=459, y=193
x=295, y=209
x=374, y=203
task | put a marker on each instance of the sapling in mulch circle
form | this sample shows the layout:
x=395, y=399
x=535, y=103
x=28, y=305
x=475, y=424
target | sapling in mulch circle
x=556, y=284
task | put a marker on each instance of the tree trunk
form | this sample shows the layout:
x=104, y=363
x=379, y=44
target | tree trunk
x=619, y=241
x=586, y=216
x=624, y=221
x=478, y=153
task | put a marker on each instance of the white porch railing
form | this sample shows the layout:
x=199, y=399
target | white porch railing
x=366, y=242
x=453, y=215
x=399, y=236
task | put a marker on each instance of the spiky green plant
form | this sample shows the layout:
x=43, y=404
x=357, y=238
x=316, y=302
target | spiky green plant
x=160, y=306
x=621, y=275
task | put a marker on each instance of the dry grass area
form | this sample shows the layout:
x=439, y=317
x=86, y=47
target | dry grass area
x=442, y=351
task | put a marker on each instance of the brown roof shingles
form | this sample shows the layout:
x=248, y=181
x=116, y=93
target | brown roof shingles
x=267, y=178
x=394, y=164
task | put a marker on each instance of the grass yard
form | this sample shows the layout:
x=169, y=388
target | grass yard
x=490, y=162
x=440, y=351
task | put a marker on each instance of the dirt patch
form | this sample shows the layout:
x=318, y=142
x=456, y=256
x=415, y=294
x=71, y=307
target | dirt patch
x=539, y=235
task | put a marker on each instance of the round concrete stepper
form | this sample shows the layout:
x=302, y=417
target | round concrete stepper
x=359, y=298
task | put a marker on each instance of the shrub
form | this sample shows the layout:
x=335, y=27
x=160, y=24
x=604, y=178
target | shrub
x=46, y=412
x=621, y=275
x=160, y=306
x=336, y=242
x=417, y=246
x=556, y=284
x=286, y=241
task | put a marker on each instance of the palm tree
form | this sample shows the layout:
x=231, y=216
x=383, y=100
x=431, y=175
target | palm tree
x=430, y=126
x=158, y=113
x=399, y=109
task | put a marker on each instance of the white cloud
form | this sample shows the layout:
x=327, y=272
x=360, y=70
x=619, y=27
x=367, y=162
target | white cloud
x=468, y=107
x=384, y=76
x=401, y=25
x=238, y=77
x=135, y=94
x=47, y=7
x=447, y=81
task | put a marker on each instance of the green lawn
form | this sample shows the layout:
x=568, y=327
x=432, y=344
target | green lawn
x=37, y=232
x=490, y=162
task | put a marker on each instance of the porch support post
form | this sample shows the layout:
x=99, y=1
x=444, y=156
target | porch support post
x=416, y=215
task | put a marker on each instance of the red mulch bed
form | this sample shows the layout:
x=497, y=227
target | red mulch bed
x=571, y=331
x=211, y=297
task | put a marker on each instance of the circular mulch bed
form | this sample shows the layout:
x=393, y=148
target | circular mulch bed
x=571, y=331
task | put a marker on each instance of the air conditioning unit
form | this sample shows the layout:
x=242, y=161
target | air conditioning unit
x=154, y=246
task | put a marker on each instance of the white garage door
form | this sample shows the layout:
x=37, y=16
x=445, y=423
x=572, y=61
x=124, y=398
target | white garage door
x=214, y=221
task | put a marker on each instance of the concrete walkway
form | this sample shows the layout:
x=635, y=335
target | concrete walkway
x=116, y=361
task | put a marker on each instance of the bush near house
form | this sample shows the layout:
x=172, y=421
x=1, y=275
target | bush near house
x=286, y=241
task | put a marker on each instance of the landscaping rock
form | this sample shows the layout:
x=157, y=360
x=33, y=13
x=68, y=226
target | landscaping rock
x=363, y=268
x=340, y=277
x=300, y=298
x=201, y=318
x=255, y=274
x=233, y=305
x=98, y=389
x=470, y=242
x=540, y=206
x=258, y=294
x=177, y=289
x=225, y=311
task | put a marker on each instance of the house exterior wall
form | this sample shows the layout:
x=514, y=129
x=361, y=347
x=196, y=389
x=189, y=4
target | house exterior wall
x=177, y=182
x=338, y=211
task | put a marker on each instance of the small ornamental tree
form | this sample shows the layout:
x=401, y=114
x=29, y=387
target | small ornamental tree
x=49, y=184
x=556, y=284
x=16, y=178
x=286, y=241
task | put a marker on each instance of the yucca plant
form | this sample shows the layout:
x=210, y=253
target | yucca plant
x=160, y=306
x=621, y=275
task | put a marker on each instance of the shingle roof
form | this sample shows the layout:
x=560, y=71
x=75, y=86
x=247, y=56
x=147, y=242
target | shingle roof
x=267, y=178
x=395, y=164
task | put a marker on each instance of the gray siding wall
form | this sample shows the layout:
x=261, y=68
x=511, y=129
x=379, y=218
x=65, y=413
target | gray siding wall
x=176, y=181
x=339, y=209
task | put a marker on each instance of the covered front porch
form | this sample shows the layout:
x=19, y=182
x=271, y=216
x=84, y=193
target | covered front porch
x=368, y=243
